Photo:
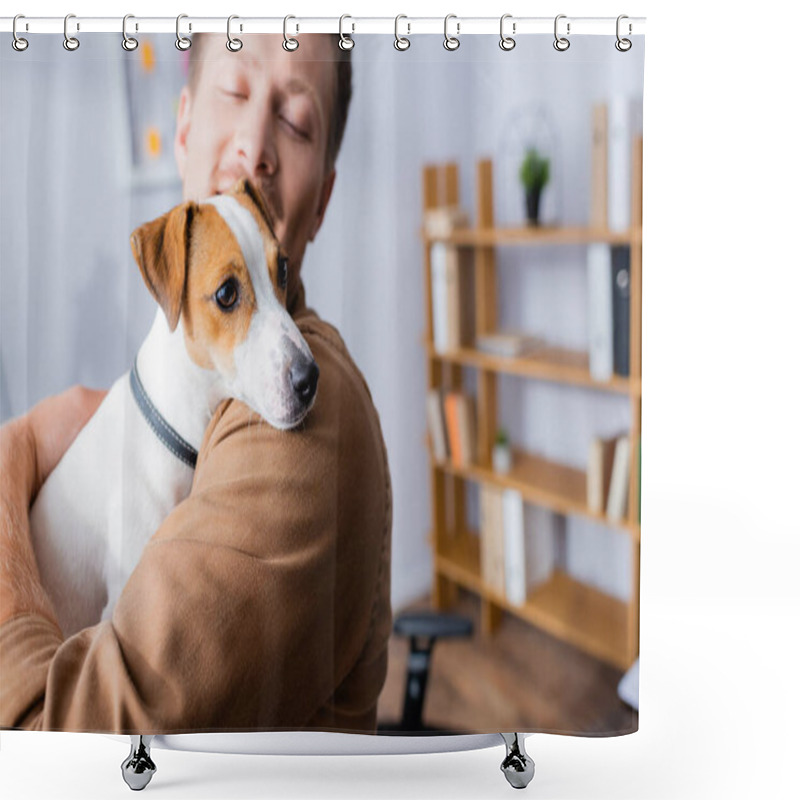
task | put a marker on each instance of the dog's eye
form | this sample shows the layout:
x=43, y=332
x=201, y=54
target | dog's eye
x=227, y=294
x=283, y=271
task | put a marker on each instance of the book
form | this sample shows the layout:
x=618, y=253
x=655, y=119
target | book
x=509, y=344
x=451, y=417
x=598, y=211
x=598, y=473
x=452, y=281
x=460, y=303
x=491, y=536
x=620, y=473
x=621, y=303
x=516, y=584
x=624, y=128
x=436, y=425
x=619, y=163
x=529, y=551
x=467, y=429
x=439, y=295
x=600, y=312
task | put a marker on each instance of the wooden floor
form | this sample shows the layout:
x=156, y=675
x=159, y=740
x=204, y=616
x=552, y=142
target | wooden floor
x=520, y=679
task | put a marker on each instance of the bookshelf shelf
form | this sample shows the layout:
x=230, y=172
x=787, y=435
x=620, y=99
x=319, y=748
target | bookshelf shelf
x=533, y=235
x=585, y=617
x=563, y=606
x=548, y=363
x=543, y=483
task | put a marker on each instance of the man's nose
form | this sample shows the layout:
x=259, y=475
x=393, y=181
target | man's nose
x=255, y=142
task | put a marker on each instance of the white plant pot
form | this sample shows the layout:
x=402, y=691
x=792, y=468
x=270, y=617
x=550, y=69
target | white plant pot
x=501, y=458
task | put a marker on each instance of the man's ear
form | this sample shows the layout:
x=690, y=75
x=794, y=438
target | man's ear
x=161, y=249
x=182, y=130
x=324, y=198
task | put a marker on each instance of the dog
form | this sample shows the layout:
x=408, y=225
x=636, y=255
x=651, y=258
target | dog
x=221, y=330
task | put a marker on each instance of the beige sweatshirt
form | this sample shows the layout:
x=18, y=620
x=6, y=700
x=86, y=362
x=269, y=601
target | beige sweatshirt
x=261, y=603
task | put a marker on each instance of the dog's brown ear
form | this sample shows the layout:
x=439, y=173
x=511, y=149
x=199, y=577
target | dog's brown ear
x=161, y=249
x=245, y=186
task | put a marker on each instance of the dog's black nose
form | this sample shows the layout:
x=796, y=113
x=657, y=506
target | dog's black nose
x=304, y=376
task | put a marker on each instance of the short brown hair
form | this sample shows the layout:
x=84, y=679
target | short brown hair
x=343, y=88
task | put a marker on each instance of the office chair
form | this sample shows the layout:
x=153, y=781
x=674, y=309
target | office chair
x=423, y=628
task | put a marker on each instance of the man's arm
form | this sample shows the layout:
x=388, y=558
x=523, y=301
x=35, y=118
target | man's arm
x=30, y=446
x=253, y=603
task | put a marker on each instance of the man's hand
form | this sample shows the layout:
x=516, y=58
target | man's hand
x=30, y=447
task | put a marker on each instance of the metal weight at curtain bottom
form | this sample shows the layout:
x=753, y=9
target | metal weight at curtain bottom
x=517, y=766
x=138, y=768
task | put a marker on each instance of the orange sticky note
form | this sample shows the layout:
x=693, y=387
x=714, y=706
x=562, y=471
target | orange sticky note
x=148, y=57
x=153, y=140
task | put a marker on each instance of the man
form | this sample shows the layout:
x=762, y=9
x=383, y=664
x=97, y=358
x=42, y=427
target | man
x=263, y=600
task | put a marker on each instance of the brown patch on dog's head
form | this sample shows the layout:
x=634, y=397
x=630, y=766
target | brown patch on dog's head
x=161, y=250
x=217, y=275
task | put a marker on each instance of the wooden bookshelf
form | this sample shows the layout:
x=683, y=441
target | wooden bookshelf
x=530, y=235
x=562, y=606
x=543, y=483
x=547, y=363
x=602, y=625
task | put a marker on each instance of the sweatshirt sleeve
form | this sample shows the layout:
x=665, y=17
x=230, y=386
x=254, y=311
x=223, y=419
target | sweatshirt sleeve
x=255, y=600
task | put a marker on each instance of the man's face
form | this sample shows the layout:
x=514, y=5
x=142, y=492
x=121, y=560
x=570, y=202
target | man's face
x=263, y=114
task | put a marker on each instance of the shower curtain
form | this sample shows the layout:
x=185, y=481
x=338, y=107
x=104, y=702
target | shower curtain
x=497, y=346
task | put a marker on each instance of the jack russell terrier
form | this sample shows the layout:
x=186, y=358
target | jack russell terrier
x=221, y=330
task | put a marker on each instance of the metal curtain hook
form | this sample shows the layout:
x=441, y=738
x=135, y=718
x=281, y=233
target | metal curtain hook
x=18, y=43
x=623, y=45
x=181, y=42
x=128, y=42
x=451, y=42
x=506, y=42
x=289, y=43
x=234, y=45
x=70, y=42
x=561, y=43
x=345, y=42
x=400, y=42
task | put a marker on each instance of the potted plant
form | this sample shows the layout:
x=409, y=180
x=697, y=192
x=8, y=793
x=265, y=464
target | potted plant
x=534, y=173
x=501, y=452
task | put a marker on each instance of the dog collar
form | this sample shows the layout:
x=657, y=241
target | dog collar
x=173, y=441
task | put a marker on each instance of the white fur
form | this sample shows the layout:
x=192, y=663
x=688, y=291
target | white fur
x=118, y=482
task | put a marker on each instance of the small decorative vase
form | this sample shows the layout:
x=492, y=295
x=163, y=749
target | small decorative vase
x=501, y=458
x=532, y=198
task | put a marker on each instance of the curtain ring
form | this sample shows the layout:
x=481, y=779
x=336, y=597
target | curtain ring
x=561, y=43
x=451, y=42
x=623, y=45
x=400, y=42
x=128, y=42
x=181, y=42
x=506, y=42
x=346, y=42
x=18, y=43
x=289, y=43
x=234, y=45
x=70, y=42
